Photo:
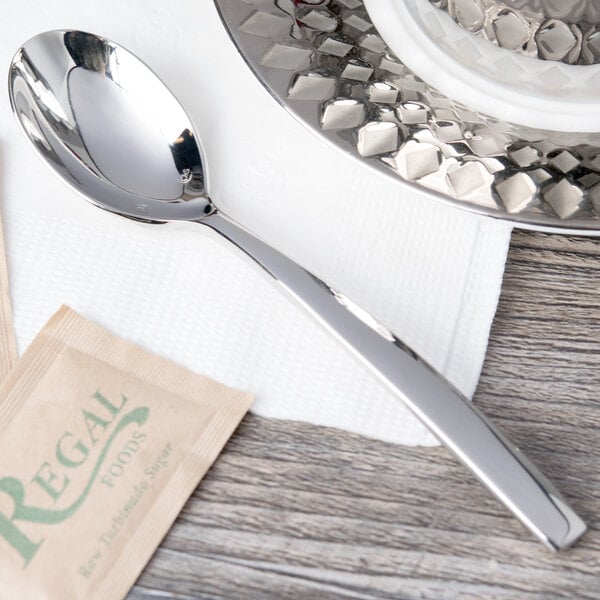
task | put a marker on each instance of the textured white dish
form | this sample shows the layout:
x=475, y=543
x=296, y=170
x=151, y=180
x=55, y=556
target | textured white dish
x=479, y=74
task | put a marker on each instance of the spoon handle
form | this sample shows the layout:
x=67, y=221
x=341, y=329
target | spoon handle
x=456, y=422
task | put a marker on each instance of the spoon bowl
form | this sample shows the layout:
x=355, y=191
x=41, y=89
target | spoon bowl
x=108, y=126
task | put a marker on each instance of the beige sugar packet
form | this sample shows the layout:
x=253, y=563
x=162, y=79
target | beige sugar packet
x=101, y=444
x=8, y=343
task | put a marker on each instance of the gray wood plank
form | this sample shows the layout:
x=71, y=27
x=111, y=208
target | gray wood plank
x=296, y=511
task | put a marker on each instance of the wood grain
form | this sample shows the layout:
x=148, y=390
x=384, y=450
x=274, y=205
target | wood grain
x=295, y=511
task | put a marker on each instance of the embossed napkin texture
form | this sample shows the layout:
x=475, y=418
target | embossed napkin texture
x=102, y=443
x=429, y=272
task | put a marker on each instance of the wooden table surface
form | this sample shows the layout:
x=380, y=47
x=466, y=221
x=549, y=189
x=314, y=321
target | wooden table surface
x=295, y=511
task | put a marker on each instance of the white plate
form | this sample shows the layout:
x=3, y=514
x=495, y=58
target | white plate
x=493, y=80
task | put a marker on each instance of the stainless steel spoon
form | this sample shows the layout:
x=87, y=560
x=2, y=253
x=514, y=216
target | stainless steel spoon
x=111, y=129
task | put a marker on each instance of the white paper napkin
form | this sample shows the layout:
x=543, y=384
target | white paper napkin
x=429, y=272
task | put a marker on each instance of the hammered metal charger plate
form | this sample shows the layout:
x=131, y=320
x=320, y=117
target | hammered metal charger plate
x=325, y=61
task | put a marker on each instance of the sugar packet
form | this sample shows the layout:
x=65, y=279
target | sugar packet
x=101, y=444
x=8, y=344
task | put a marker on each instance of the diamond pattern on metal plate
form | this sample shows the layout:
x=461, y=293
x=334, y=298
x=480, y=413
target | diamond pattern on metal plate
x=383, y=93
x=524, y=155
x=266, y=25
x=517, y=192
x=356, y=22
x=415, y=160
x=312, y=86
x=413, y=113
x=373, y=43
x=357, y=70
x=343, y=113
x=346, y=83
x=320, y=20
x=377, y=137
x=469, y=177
x=565, y=198
x=282, y=56
x=335, y=47
x=563, y=160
